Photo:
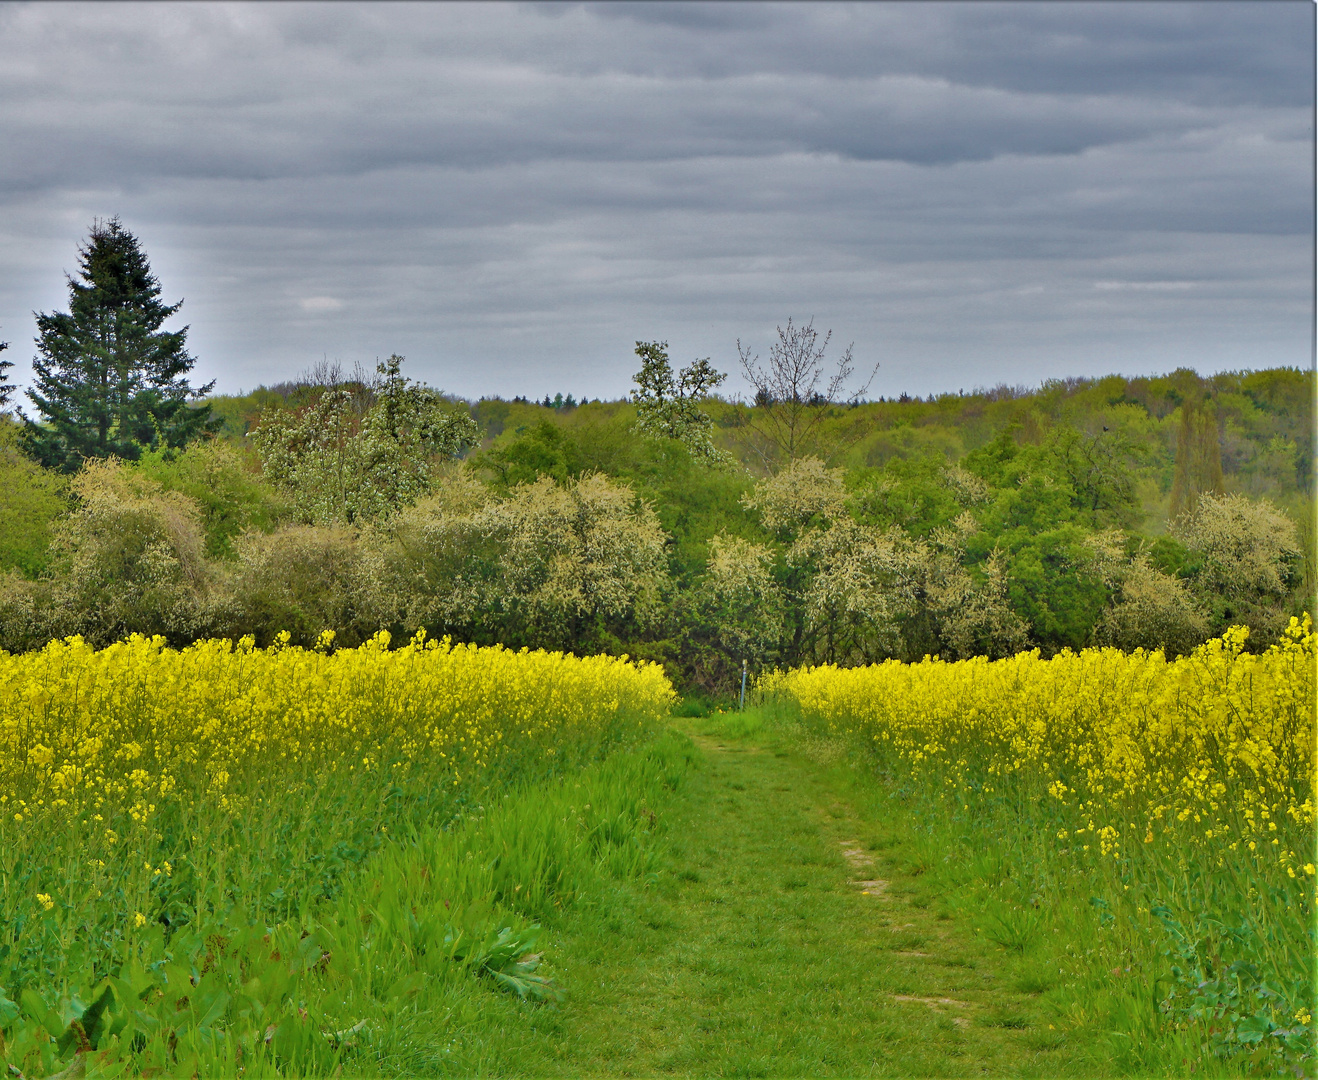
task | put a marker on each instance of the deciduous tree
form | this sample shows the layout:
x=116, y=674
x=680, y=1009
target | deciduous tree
x=668, y=406
x=337, y=464
x=1198, y=457
x=792, y=392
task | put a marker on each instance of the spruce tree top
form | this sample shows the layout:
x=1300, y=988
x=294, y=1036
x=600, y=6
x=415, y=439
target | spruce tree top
x=109, y=381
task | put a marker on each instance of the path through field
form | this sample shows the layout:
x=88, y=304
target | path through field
x=787, y=937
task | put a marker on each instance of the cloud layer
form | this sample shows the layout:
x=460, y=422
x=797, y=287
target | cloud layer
x=511, y=195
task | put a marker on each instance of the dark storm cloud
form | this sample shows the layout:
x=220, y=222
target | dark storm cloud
x=513, y=194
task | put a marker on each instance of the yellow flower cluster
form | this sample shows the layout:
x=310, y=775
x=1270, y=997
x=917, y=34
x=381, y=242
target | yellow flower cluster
x=1214, y=748
x=122, y=730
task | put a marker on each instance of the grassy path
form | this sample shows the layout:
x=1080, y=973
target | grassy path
x=785, y=938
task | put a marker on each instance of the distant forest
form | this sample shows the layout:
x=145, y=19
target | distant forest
x=1258, y=424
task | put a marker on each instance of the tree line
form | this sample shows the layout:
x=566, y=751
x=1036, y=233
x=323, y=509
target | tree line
x=807, y=525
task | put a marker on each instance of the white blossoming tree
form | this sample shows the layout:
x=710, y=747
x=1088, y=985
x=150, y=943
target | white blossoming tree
x=668, y=405
x=336, y=463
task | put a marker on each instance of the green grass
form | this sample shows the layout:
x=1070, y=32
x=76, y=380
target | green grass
x=1081, y=979
x=751, y=951
x=410, y=967
x=754, y=954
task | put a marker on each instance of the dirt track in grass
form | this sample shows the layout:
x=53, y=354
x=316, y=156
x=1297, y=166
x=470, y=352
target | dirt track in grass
x=785, y=936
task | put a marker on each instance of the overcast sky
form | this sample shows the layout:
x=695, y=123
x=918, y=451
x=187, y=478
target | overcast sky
x=512, y=195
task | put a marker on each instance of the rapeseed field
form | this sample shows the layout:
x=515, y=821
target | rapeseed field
x=104, y=739
x=1181, y=792
x=178, y=825
x=225, y=860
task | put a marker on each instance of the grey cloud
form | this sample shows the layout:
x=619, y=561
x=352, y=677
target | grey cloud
x=1212, y=53
x=276, y=104
x=605, y=118
x=513, y=194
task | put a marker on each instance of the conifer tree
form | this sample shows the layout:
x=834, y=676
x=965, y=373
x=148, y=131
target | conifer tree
x=109, y=381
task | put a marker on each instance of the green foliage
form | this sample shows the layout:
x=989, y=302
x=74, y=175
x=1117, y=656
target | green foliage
x=1150, y=608
x=977, y=523
x=109, y=381
x=225, y=485
x=692, y=501
x=1198, y=458
x=1234, y=972
x=1050, y=583
x=917, y=494
x=1100, y=471
x=736, y=615
x=336, y=461
x=545, y=450
x=31, y=501
x=668, y=407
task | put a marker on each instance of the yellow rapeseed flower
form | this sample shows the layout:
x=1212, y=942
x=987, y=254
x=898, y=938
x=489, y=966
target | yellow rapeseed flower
x=1220, y=739
x=138, y=726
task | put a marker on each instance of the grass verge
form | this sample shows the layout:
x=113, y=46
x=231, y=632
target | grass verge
x=412, y=967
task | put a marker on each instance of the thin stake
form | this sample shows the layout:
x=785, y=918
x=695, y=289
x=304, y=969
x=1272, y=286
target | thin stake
x=743, y=684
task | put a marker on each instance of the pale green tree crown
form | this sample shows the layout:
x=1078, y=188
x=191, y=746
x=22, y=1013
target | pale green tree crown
x=337, y=465
x=668, y=405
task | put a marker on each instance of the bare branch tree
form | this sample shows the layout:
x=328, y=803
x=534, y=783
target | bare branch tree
x=792, y=395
